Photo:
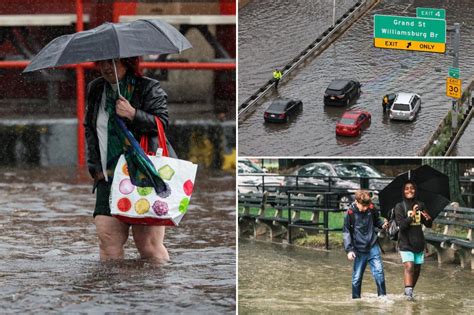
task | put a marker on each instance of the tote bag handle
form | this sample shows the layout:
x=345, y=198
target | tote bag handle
x=161, y=139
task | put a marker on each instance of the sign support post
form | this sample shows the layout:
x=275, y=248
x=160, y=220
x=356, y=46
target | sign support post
x=456, y=104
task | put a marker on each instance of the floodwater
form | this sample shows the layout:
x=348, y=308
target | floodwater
x=279, y=279
x=465, y=146
x=272, y=32
x=49, y=251
x=381, y=71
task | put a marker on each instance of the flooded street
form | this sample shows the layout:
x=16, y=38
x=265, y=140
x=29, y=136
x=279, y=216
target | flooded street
x=381, y=71
x=49, y=250
x=305, y=281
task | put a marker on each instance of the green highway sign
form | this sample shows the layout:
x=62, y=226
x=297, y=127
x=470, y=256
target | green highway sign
x=431, y=13
x=410, y=28
x=454, y=73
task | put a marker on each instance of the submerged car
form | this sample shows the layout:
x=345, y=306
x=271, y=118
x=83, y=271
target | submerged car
x=341, y=92
x=342, y=178
x=352, y=123
x=405, y=106
x=281, y=109
x=252, y=178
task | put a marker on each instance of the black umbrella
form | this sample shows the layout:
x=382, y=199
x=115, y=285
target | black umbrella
x=111, y=41
x=432, y=189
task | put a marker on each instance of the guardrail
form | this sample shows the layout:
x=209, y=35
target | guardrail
x=316, y=47
x=436, y=143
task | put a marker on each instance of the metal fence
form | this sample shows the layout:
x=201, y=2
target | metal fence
x=276, y=183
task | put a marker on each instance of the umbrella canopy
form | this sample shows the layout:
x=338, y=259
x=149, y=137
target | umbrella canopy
x=432, y=189
x=111, y=41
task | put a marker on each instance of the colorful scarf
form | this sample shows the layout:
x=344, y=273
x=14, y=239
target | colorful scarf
x=121, y=141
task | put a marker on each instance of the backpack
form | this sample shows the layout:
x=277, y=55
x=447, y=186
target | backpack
x=350, y=213
x=393, y=228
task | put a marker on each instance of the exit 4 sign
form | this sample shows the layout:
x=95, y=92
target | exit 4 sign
x=431, y=13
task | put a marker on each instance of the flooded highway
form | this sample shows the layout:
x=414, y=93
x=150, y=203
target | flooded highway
x=50, y=261
x=305, y=281
x=271, y=33
x=381, y=71
x=465, y=146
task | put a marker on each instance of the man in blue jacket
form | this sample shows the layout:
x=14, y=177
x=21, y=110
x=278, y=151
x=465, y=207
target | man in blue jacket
x=360, y=242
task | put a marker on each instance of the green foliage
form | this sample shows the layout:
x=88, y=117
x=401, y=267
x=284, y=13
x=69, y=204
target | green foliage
x=439, y=147
x=335, y=240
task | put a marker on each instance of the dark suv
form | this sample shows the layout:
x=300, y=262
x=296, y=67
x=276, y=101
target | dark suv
x=341, y=92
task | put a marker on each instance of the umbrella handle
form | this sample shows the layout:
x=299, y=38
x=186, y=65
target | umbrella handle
x=116, y=78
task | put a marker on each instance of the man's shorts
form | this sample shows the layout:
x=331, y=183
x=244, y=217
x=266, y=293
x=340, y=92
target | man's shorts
x=417, y=258
x=102, y=198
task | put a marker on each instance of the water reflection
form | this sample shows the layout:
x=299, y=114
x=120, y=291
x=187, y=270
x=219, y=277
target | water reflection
x=275, y=278
x=49, y=252
x=381, y=71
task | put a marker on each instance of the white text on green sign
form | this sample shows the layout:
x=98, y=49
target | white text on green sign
x=454, y=73
x=410, y=28
x=431, y=13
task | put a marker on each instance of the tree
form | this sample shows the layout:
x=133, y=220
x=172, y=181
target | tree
x=450, y=167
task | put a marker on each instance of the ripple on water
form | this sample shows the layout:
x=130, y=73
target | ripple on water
x=312, y=132
x=303, y=280
x=49, y=252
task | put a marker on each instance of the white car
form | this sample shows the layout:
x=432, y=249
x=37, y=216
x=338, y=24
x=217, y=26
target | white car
x=405, y=106
x=251, y=177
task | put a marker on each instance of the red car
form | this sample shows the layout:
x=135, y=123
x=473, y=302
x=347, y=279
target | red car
x=352, y=123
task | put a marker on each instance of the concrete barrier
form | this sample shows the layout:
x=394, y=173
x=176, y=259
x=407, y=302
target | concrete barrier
x=319, y=45
x=447, y=148
x=53, y=142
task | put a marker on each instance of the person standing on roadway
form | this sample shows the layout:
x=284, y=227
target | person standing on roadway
x=276, y=77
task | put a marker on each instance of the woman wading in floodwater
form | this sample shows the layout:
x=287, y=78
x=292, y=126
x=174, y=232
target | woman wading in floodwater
x=410, y=214
x=143, y=99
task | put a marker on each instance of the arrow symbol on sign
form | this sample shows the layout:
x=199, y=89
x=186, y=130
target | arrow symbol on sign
x=409, y=44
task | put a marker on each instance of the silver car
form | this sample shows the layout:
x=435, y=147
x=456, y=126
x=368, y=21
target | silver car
x=405, y=106
x=252, y=178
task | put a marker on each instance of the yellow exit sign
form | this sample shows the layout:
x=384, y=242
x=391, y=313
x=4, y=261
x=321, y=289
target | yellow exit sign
x=409, y=45
x=453, y=88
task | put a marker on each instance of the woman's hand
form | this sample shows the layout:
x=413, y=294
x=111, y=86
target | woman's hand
x=124, y=109
x=426, y=215
x=385, y=224
x=98, y=177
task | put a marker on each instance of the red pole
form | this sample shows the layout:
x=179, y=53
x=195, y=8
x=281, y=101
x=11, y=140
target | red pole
x=80, y=93
x=216, y=66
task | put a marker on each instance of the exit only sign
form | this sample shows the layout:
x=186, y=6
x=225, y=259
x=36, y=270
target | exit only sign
x=410, y=33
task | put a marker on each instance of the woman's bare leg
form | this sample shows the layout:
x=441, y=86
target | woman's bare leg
x=113, y=235
x=409, y=273
x=416, y=274
x=149, y=242
x=408, y=278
